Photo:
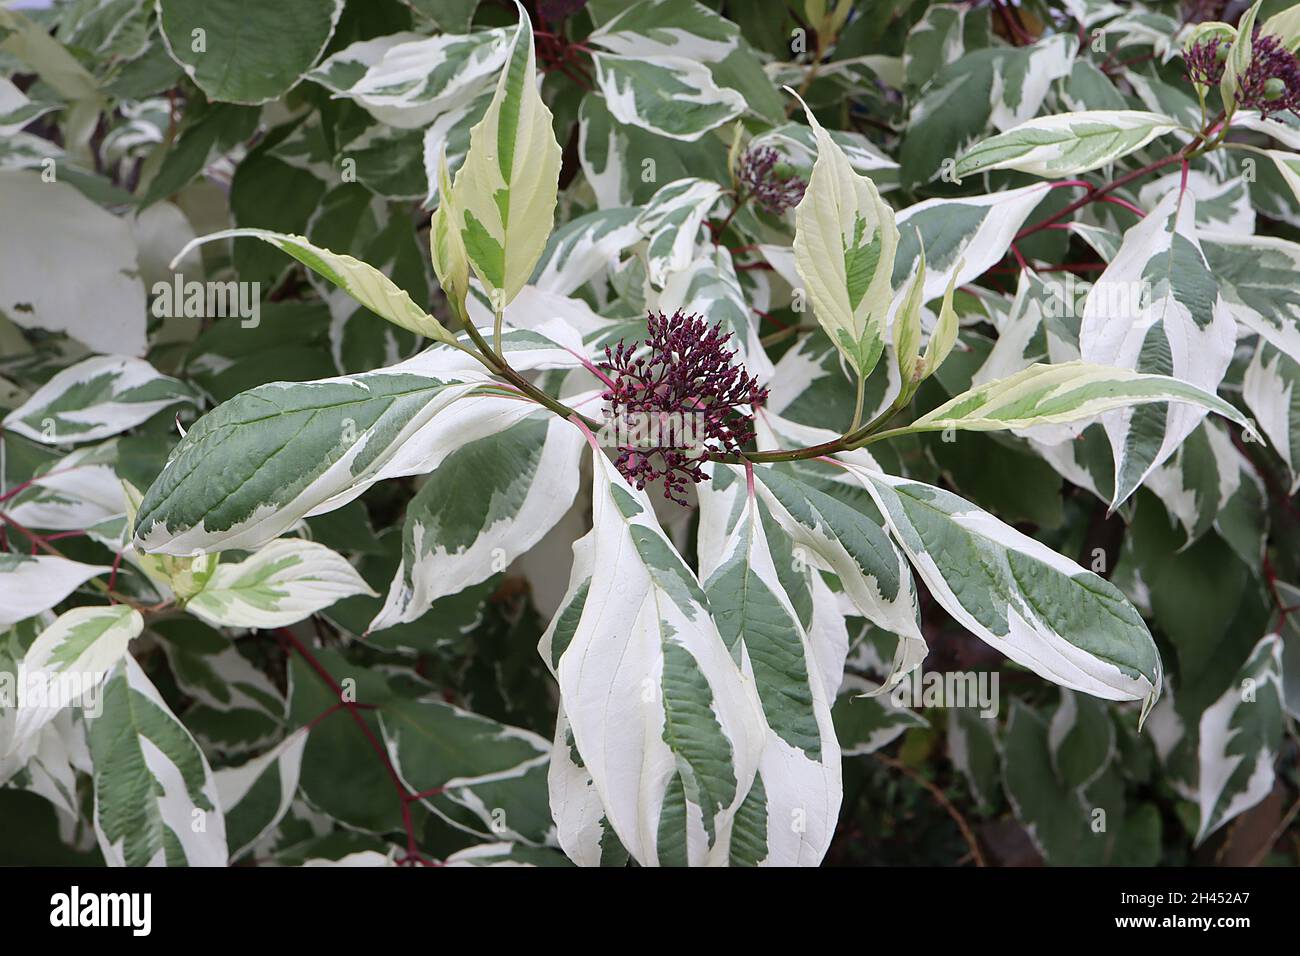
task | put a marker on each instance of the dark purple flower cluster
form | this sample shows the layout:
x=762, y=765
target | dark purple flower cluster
x=760, y=178
x=681, y=381
x=1271, y=83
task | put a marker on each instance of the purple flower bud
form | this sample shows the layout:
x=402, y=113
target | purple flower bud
x=681, y=378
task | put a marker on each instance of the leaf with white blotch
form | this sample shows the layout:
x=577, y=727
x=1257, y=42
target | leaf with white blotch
x=866, y=721
x=974, y=749
x=671, y=96
x=251, y=468
x=844, y=245
x=449, y=135
x=252, y=52
x=281, y=584
x=661, y=715
x=486, y=504
x=30, y=584
x=671, y=221
x=1209, y=483
x=101, y=301
x=797, y=146
x=963, y=236
x=1271, y=389
x=362, y=281
x=1035, y=606
x=79, y=490
x=651, y=29
x=506, y=188
x=1157, y=308
x=257, y=794
x=69, y=660
x=96, y=398
x=1065, y=144
x=16, y=110
x=494, y=771
x=584, y=247
x=153, y=786
x=1256, y=276
x=1060, y=394
x=871, y=570
x=799, y=770
x=1240, y=735
x=1080, y=738
x=411, y=81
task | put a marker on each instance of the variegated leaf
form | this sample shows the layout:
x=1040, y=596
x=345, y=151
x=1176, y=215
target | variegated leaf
x=661, y=715
x=671, y=221
x=284, y=582
x=651, y=29
x=95, y=398
x=257, y=794
x=487, y=503
x=1157, y=308
x=1240, y=734
x=1040, y=609
x=844, y=246
x=30, y=584
x=1065, y=144
x=156, y=801
x=789, y=816
x=670, y=96
x=506, y=189
x=79, y=490
x=1271, y=389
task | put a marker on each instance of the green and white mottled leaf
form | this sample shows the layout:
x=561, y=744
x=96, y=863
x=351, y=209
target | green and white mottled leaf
x=1157, y=308
x=492, y=773
x=247, y=51
x=30, y=584
x=281, y=584
x=671, y=96
x=68, y=662
x=361, y=281
x=79, y=490
x=975, y=751
x=95, y=398
x=156, y=800
x=671, y=223
x=487, y=503
x=844, y=246
x=1240, y=735
x=866, y=720
x=257, y=794
x=506, y=188
x=1023, y=599
x=1065, y=144
x=1271, y=389
x=411, y=81
x=652, y=29
x=1081, y=739
x=797, y=145
x=584, y=247
x=661, y=715
x=871, y=570
x=789, y=816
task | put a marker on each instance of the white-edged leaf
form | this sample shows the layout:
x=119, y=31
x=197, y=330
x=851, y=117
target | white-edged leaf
x=1271, y=389
x=257, y=794
x=284, y=582
x=671, y=96
x=156, y=801
x=68, y=661
x=30, y=584
x=1022, y=598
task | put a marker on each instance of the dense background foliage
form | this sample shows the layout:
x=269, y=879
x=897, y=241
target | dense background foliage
x=128, y=128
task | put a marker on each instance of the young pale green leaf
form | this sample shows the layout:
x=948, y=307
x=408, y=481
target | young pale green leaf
x=1040, y=609
x=944, y=335
x=281, y=584
x=1066, y=144
x=362, y=281
x=1239, y=57
x=844, y=246
x=446, y=247
x=155, y=799
x=96, y=398
x=907, y=328
x=30, y=584
x=505, y=191
x=661, y=716
x=1285, y=25
x=1240, y=734
x=69, y=660
x=1058, y=394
